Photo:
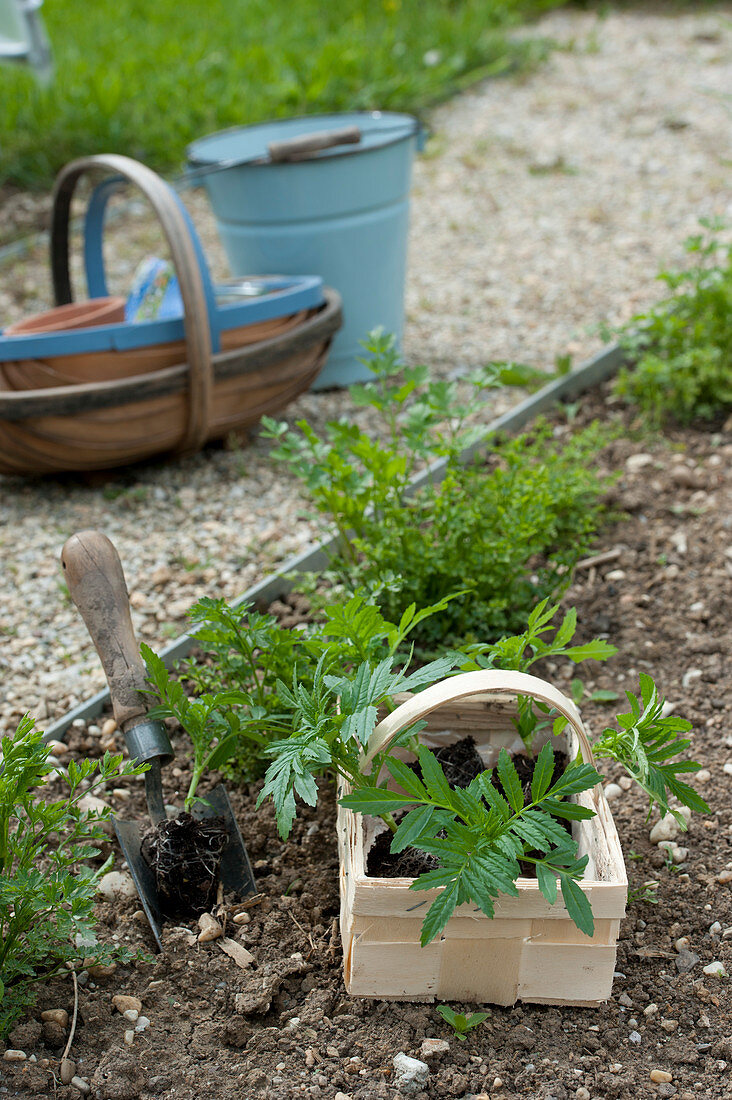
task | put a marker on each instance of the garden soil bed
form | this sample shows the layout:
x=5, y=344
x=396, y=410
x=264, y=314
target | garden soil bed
x=284, y=1027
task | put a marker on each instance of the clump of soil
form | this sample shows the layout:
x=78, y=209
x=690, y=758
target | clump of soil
x=185, y=856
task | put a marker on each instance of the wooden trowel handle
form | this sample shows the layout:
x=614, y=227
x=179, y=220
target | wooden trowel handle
x=97, y=586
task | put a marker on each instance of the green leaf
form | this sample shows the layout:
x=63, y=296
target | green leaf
x=433, y=776
x=578, y=907
x=407, y=778
x=438, y=913
x=543, y=772
x=374, y=800
x=411, y=827
x=510, y=781
x=547, y=881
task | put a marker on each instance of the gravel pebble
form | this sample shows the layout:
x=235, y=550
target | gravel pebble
x=545, y=204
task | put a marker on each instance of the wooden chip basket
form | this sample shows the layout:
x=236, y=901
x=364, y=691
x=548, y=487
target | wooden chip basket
x=531, y=950
x=124, y=398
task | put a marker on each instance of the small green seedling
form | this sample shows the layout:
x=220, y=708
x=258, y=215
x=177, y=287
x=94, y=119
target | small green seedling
x=459, y=1022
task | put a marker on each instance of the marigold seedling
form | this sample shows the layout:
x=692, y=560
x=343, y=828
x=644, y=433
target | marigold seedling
x=459, y=1022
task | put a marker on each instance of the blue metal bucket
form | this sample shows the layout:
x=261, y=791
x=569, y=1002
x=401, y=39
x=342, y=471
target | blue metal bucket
x=342, y=213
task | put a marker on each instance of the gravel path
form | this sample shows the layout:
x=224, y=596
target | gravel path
x=543, y=207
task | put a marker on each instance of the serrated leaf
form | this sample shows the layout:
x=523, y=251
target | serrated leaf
x=547, y=881
x=438, y=913
x=577, y=778
x=597, y=650
x=407, y=778
x=433, y=776
x=543, y=772
x=493, y=797
x=510, y=781
x=577, y=904
x=411, y=827
x=374, y=800
x=570, y=811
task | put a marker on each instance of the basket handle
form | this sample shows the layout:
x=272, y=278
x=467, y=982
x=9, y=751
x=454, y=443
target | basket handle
x=188, y=260
x=485, y=681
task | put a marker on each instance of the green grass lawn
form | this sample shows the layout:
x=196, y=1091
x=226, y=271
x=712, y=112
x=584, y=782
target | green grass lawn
x=146, y=78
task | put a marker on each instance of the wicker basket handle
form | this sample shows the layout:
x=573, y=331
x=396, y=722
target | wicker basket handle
x=188, y=260
x=485, y=681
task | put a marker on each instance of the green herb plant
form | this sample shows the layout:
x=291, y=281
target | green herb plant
x=459, y=1022
x=47, y=882
x=520, y=652
x=682, y=347
x=214, y=723
x=507, y=535
x=482, y=833
x=241, y=700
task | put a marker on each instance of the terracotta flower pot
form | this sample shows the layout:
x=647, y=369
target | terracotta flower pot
x=96, y=311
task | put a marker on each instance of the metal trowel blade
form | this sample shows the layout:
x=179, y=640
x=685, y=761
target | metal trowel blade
x=128, y=835
x=236, y=872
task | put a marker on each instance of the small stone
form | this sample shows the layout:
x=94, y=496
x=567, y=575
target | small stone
x=687, y=680
x=309, y=1057
x=725, y=877
x=624, y=999
x=131, y=1014
x=666, y=1091
x=682, y=944
x=242, y=918
x=715, y=928
x=432, y=1047
x=109, y=727
x=715, y=967
x=410, y=1075
x=101, y=970
x=142, y=1024
x=58, y=1015
x=661, y=1076
x=650, y=1010
x=582, y=1093
x=637, y=462
x=67, y=1070
x=634, y=1037
x=665, y=829
x=11, y=1055
x=679, y=855
x=613, y=791
x=116, y=885
x=83, y=1086
x=669, y=1025
x=686, y=961
x=210, y=928
x=129, y=1037
x=123, y=1002
x=727, y=769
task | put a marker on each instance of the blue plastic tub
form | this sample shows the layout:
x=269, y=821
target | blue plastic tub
x=342, y=213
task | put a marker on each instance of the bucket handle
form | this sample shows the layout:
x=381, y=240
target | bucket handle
x=196, y=288
x=302, y=147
